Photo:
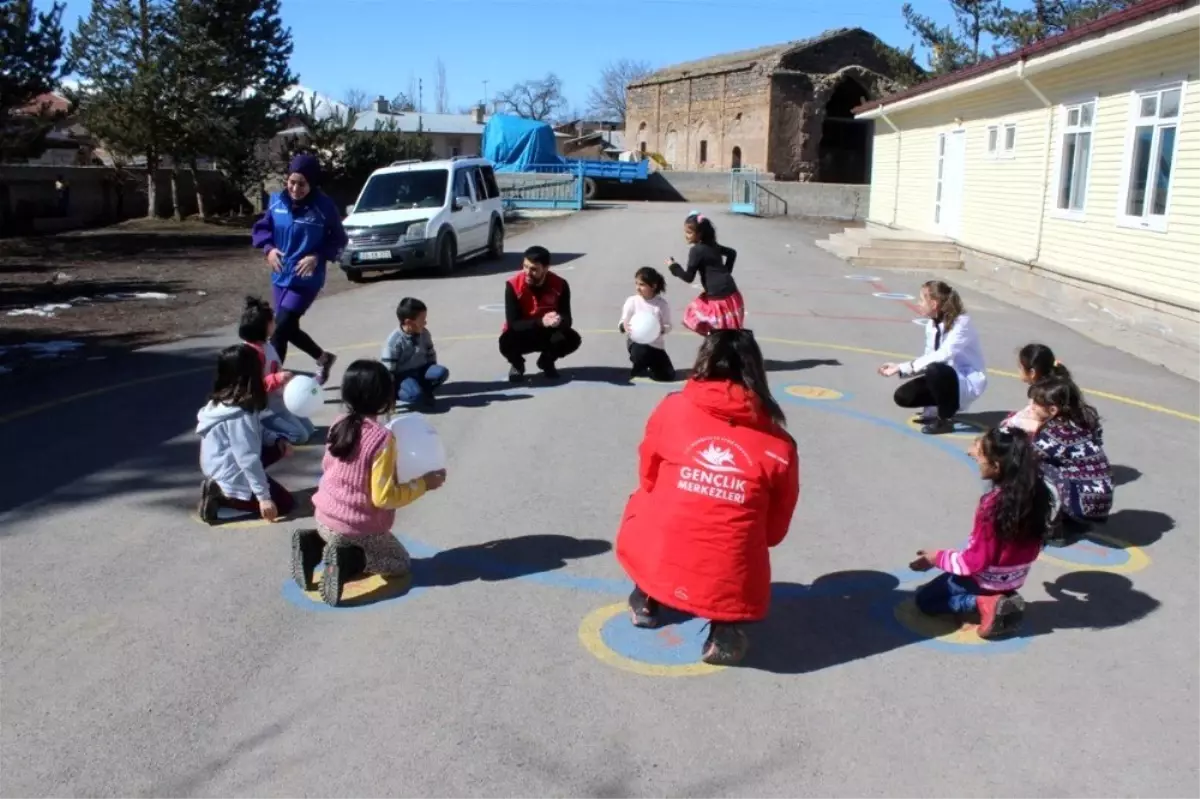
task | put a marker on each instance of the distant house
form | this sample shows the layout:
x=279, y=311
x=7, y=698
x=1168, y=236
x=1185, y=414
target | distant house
x=449, y=134
x=68, y=143
x=1073, y=163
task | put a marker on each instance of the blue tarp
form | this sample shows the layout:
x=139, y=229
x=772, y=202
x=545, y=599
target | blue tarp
x=514, y=144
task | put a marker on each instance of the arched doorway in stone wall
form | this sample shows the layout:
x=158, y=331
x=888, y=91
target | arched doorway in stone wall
x=735, y=159
x=669, y=152
x=844, y=154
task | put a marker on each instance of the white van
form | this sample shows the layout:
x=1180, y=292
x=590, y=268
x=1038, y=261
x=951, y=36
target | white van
x=424, y=213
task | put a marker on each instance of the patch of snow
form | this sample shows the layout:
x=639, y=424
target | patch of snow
x=138, y=295
x=49, y=309
x=46, y=310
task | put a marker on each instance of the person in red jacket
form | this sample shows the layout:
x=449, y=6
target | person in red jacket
x=537, y=317
x=719, y=480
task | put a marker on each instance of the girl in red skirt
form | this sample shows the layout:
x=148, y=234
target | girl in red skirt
x=719, y=306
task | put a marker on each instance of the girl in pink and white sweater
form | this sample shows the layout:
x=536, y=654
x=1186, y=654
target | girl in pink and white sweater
x=358, y=495
x=649, y=360
x=1004, y=543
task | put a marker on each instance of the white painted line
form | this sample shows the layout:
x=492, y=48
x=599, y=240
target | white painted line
x=863, y=278
x=892, y=295
x=494, y=308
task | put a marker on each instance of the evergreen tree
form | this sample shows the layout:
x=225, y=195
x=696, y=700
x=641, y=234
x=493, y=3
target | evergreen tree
x=952, y=47
x=31, y=50
x=121, y=51
x=1013, y=29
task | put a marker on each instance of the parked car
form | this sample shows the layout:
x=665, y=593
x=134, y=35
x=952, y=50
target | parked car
x=415, y=214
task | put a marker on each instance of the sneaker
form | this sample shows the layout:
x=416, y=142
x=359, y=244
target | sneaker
x=925, y=417
x=938, y=427
x=342, y=564
x=642, y=609
x=516, y=374
x=324, y=365
x=549, y=370
x=210, y=501
x=1000, y=615
x=307, y=547
x=726, y=645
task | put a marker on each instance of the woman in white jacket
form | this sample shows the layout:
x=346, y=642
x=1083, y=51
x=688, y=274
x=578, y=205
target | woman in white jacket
x=951, y=374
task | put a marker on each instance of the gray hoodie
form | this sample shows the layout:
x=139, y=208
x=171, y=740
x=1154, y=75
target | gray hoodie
x=404, y=353
x=231, y=451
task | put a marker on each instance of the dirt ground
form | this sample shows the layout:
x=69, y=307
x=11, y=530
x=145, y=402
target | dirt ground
x=95, y=294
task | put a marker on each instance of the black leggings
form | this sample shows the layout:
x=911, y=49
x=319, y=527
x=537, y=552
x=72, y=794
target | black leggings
x=938, y=387
x=287, y=329
x=652, y=361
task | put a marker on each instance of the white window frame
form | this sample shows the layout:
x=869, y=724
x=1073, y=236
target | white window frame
x=999, y=150
x=1148, y=221
x=1064, y=130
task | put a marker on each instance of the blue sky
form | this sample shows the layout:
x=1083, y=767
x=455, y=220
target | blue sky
x=376, y=45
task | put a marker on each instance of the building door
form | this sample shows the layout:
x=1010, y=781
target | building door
x=951, y=163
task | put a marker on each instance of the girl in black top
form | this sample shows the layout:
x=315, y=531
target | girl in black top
x=720, y=305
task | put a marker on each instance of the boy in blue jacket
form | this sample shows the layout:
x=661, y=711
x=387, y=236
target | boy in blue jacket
x=409, y=355
x=299, y=233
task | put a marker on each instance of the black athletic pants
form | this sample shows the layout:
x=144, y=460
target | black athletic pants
x=938, y=387
x=552, y=342
x=651, y=361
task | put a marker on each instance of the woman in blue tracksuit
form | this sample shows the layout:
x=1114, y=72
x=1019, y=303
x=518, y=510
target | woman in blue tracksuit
x=299, y=233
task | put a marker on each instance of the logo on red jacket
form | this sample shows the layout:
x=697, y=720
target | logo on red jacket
x=718, y=461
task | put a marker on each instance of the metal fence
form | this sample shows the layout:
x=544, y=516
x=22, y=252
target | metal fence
x=549, y=186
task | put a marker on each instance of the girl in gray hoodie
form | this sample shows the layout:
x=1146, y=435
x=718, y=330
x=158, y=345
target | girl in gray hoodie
x=235, y=450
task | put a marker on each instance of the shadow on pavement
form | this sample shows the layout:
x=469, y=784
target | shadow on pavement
x=1139, y=528
x=124, y=422
x=1093, y=600
x=505, y=559
x=476, y=267
x=983, y=419
x=1124, y=475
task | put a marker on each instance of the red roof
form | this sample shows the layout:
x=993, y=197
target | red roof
x=1103, y=25
x=48, y=102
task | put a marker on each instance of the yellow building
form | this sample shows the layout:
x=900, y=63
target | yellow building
x=1070, y=167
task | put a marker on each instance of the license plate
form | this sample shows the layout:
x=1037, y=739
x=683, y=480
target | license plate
x=375, y=255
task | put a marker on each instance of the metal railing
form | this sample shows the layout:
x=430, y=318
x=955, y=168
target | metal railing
x=543, y=186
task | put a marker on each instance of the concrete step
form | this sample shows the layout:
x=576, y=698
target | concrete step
x=920, y=262
x=943, y=247
x=888, y=249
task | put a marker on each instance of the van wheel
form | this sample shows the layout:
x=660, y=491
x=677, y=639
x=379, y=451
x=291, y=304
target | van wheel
x=447, y=255
x=354, y=276
x=495, y=249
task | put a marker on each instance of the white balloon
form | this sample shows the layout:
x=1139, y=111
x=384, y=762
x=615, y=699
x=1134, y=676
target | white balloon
x=302, y=396
x=644, y=328
x=419, y=450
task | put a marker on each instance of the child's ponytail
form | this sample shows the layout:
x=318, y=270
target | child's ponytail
x=1039, y=361
x=367, y=391
x=1024, y=502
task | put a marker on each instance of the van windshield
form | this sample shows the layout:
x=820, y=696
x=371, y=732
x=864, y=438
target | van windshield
x=393, y=191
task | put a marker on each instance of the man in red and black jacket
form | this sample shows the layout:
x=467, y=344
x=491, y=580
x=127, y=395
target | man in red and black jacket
x=537, y=317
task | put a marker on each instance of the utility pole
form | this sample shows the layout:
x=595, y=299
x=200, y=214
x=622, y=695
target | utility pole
x=485, y=97
x=421, y=95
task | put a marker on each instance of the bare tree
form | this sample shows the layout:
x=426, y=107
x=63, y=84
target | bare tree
x=441, y=97
x=357, y=100
x=533, y=99
x=607, y=100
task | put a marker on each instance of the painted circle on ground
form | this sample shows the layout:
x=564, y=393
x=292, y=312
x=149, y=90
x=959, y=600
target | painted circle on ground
x=893, y=295
x=922, y=321
x=961, y=429
x=496, y=307
x=862, y=278
x=365, y=593
x=1119, y=556
x=814, y=392
x=948, y=633
x=671, y=651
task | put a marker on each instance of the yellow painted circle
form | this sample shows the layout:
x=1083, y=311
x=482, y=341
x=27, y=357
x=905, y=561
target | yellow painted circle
x=814, y=392
x=972, y=435
x=947, y=629
x=1138, y=559
x=593, y=641
x=371, y=588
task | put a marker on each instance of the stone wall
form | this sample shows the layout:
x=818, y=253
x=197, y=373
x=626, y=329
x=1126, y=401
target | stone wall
x=824, y=200
x=725, y=111
x=98, y=196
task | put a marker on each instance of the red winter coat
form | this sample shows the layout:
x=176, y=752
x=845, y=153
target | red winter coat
x=718, y=485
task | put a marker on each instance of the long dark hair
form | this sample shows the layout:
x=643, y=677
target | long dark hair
x=239, y=379
x=1062, y=393
x=702, y=226
x=1039, y=360
x=367, y=390
x=734, y=355
x=256, y=319
x=1024, y=501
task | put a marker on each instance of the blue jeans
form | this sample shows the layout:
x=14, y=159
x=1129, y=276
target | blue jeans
x=295, y=429
x=418, y=385
x=948, y=593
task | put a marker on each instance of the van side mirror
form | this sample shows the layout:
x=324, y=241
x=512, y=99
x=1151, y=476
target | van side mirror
x=461, y=203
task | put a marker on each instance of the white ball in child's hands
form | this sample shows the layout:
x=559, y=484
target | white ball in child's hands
x=644, y=328
x=419, y=450
x=302, y=396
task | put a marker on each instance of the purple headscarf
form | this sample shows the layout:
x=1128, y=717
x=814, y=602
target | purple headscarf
x=307, y=165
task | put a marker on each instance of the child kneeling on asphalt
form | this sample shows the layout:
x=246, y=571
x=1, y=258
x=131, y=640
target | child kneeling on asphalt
x=358, y=494
x=409, y=355
x=1007, y=538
